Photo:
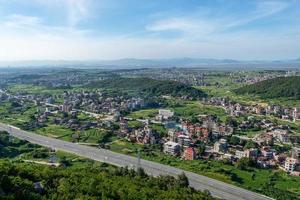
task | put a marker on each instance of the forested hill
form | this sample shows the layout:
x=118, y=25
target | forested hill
x=149, y=87
x=79, y=178
x=18, y=182
x=274, y=88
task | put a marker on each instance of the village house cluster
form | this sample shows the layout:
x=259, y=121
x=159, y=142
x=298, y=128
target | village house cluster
x=186, y=76
x=237, y=109
x=99, y=102
x=183, y=139
x=242, y=77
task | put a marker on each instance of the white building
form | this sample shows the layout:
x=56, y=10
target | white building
x=281, y=135
x=220, y=146
x=290, y=164
x=172, y=148
x=240, y=154
x=296, y=114
x=66, y=107
x=172, y=134
x=184, y=140
x=166, y=114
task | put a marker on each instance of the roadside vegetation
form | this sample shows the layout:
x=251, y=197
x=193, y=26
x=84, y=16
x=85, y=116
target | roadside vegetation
x=79, y=178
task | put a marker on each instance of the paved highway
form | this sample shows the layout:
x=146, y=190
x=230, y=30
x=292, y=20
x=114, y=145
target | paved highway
x=217, y=188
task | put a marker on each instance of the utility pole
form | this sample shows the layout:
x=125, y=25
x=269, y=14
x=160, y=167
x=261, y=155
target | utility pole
x=139, y=159
x=10, y=130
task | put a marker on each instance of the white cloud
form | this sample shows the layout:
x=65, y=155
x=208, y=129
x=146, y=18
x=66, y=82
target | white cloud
x=22, y=26
x=77, y=10
x=188, y=26
x=30, y=37
x=21, y=21
x=200, y=26
x=263, y=9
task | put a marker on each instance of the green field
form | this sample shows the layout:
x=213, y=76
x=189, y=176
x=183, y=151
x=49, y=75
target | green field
x=56, y=131
x=18, y=116
x=19, y=150
x=33, y=89
x=194, y=108
x=135, y=124
x=143, y=114
x=125, y=147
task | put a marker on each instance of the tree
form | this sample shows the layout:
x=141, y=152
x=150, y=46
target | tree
x=141, y=172
x=103, y=138
x=245, y=163
x=32, y=118
x=250, y=144
x=194, y=119
x=201, y=149
x=65, y=162
x=206, y=192
x=231, y=121
x=15, y=104
x=183, y=180
x=234, y=140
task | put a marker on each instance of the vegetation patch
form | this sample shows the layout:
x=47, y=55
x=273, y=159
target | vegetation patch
x=274, y=88
x=149, y=87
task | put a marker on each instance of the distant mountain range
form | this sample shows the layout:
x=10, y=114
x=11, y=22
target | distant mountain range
x=144, y=63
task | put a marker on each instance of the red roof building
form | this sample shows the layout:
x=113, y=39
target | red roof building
x=189, y=153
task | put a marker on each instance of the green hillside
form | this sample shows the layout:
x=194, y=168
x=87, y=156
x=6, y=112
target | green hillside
x=18, y=180
x=149, y=87
x=274, y=88
x=79, y=178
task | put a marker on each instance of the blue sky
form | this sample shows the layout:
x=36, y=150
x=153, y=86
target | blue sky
x=112, y=29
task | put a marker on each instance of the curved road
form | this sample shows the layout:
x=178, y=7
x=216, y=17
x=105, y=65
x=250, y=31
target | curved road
x=216, y=188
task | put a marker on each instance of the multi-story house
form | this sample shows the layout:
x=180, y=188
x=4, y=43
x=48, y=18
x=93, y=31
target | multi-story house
x=172, y=148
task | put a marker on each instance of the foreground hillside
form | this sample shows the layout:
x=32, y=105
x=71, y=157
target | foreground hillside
x=18, y=179
x=274, y=88
x=79, y=180
x=149, y=87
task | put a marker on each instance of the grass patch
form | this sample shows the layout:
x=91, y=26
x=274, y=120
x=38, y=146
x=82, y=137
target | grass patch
x=56, y=131
x=194, y=108
x=143, y=114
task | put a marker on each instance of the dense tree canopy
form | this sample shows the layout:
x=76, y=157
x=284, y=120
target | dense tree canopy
x=18, y=181
x=149, y=87
x=274, y=88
